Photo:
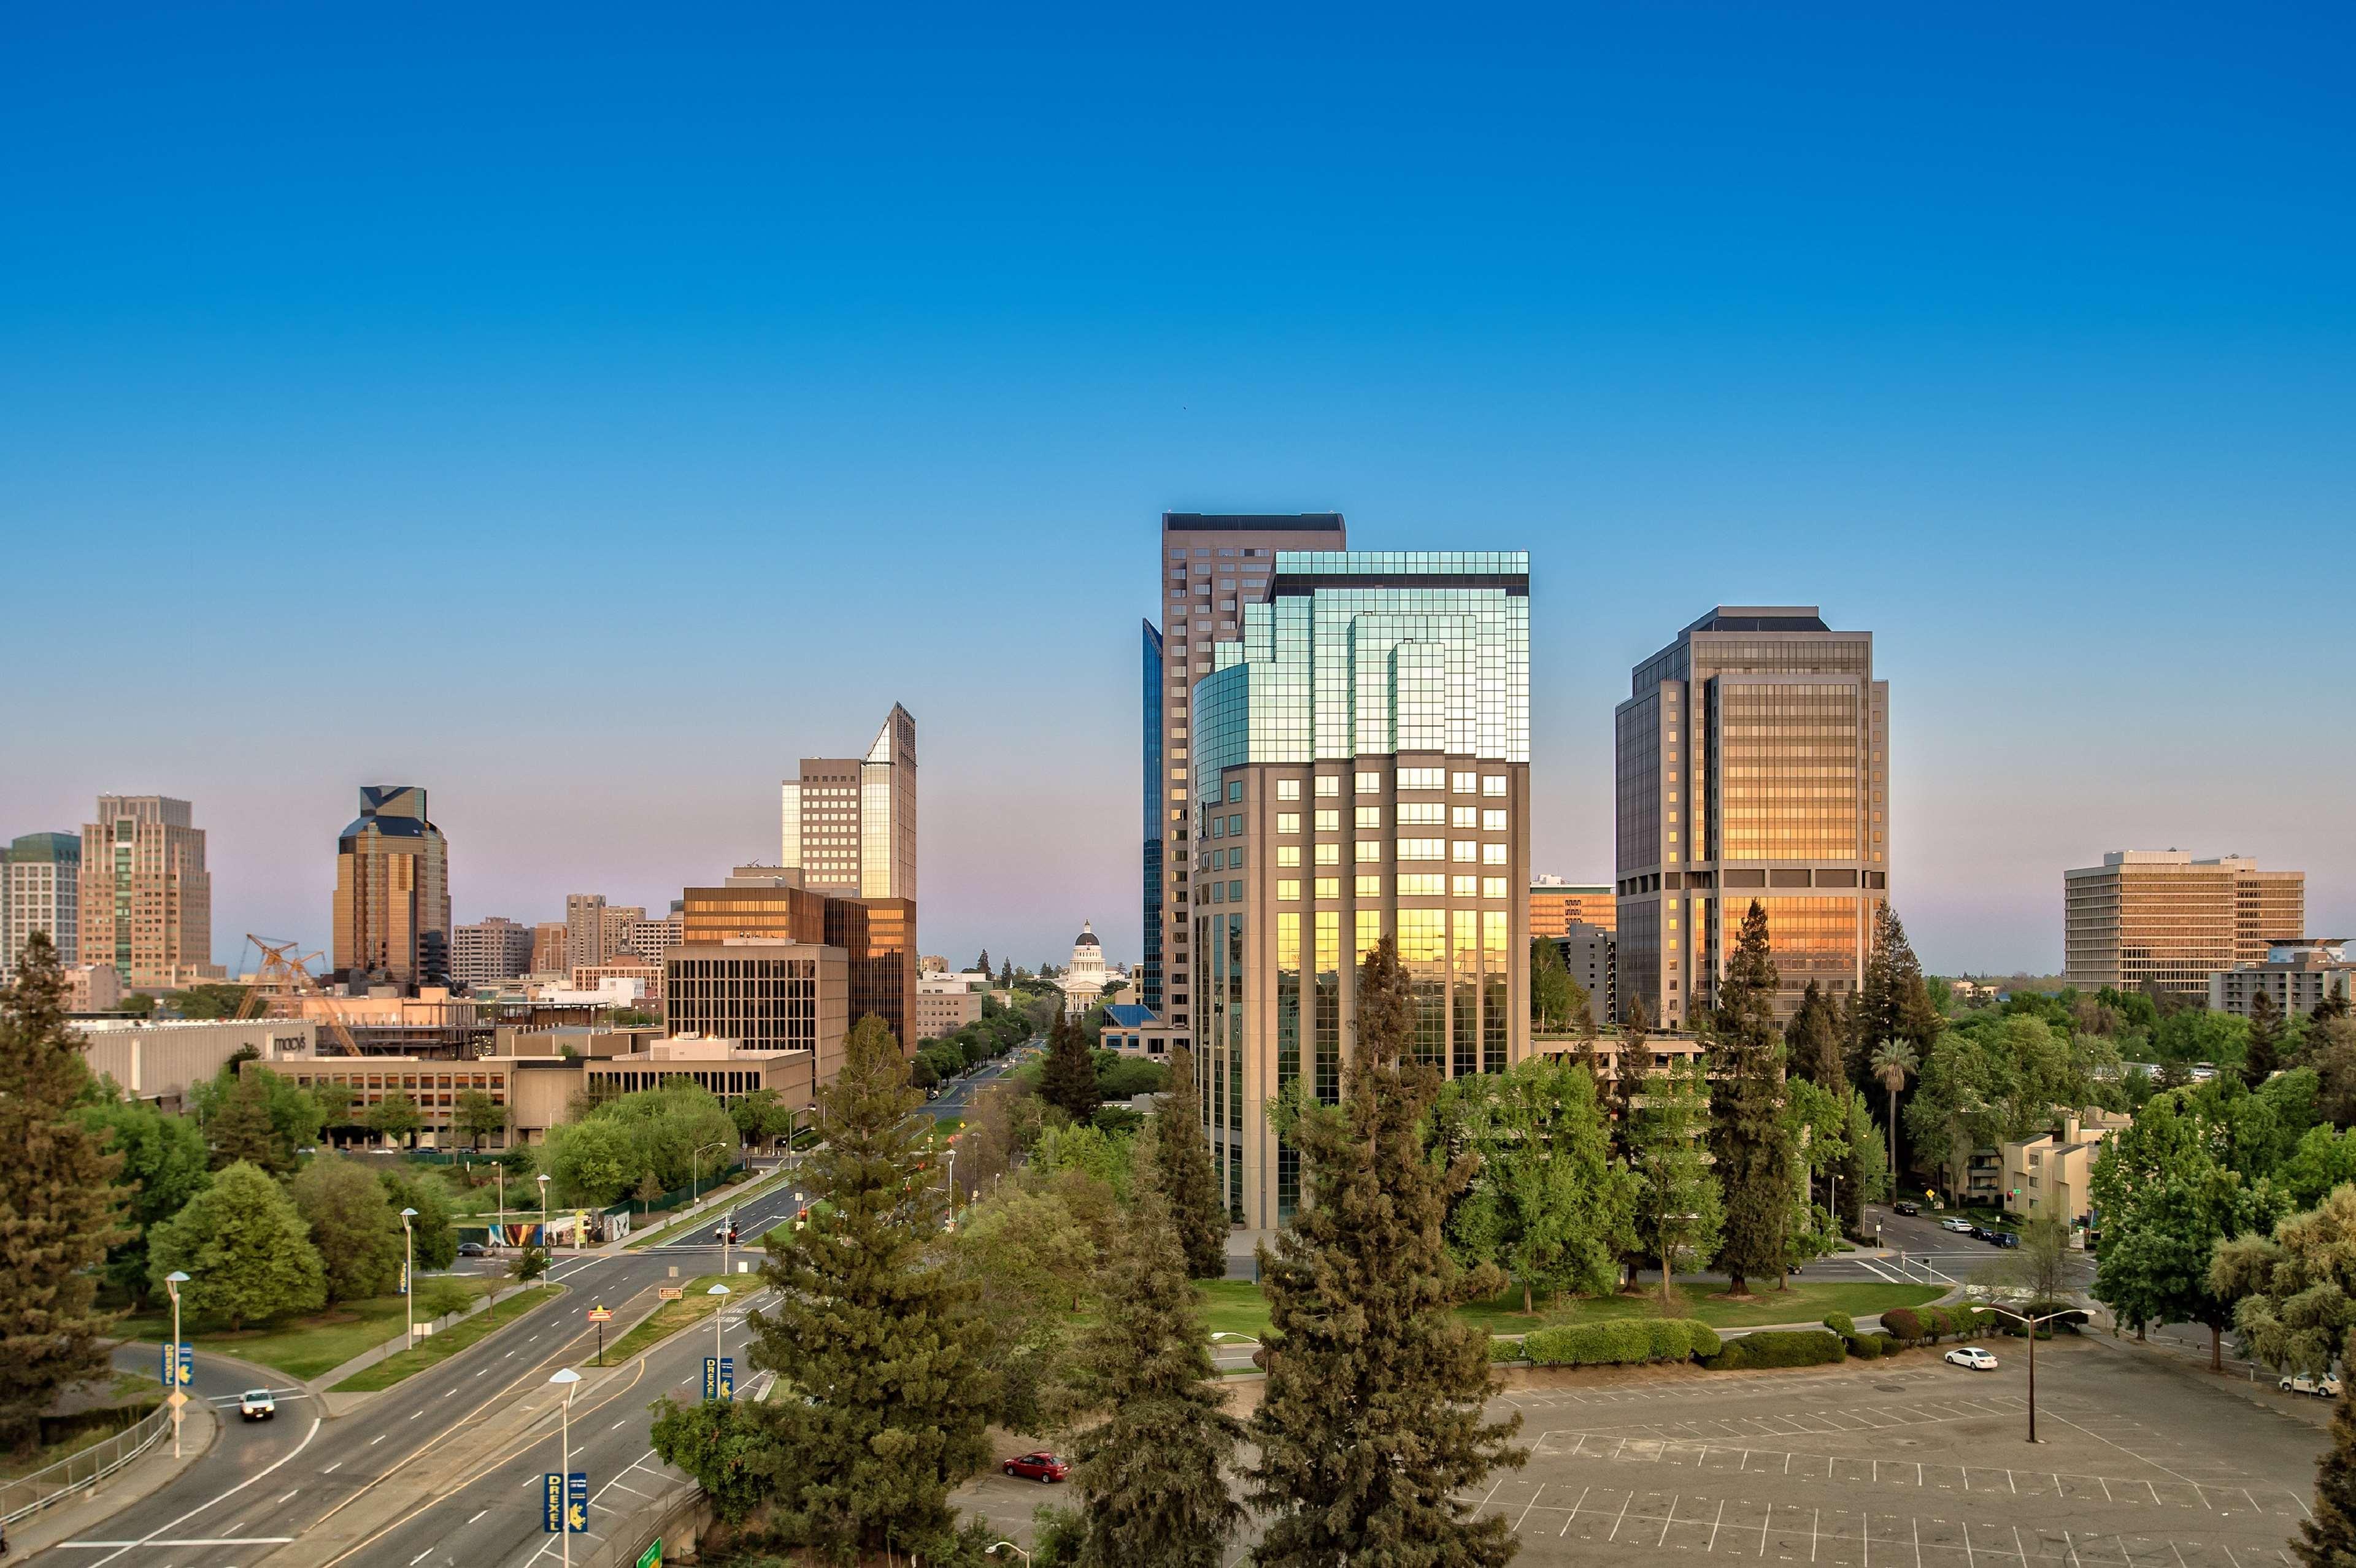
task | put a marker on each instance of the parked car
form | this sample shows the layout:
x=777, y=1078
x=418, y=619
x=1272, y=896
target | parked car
x=1039, y=1466
x=257, y=1404
x=473, y=1250
x=2326, y=1387
x=1907, y=1206
x=1963, y=1227
x=1972, y=1358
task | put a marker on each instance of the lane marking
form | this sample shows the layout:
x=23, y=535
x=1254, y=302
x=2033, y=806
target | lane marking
x=157, y=1534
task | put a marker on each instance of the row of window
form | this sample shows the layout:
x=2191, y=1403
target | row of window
x=1411, y=814
x=1407, y=884
x=1329, y=786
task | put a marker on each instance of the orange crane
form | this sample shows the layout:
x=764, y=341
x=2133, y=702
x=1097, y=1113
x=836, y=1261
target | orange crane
x=280, y=973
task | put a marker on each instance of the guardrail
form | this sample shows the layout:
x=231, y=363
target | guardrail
x=76, y=1473
x=665, y=1526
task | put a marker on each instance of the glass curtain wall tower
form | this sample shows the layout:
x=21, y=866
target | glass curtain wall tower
x=1360, y=769
x=1751, y=762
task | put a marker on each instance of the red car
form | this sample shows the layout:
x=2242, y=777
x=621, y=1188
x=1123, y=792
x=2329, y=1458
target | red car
x=1040, y=1467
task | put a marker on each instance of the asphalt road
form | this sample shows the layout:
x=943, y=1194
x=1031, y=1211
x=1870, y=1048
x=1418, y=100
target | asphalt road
x=956, y=1097
x=293, y=1487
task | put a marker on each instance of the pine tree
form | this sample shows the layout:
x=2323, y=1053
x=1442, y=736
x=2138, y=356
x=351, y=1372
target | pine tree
x=1190, y=1181
x=982, y=965
x=2328, y=1540
x=1151, y=1473
x=1370, y=1427
x=1069, y=1080
x=246, y=1251
x=1748, y=1137
x=59, y=1209
x=875, y=1335
x=1816, y=1041
x=2265, y=1055
x=244, y=1130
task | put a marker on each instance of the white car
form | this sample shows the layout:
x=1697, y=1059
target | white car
x=2326, y=1387
x=257, y=1404
x=1973, y=1357
x=1964, y=1226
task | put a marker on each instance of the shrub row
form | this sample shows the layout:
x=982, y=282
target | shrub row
x=1864, y=1347
x=1932, y=1324
x=1623, y=1341
x=1779, y=1348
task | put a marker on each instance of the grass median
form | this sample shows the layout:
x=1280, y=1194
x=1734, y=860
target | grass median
x=313, y=1343
x=695, y=1304
x=758, y=1188
x=1236, y=1307
x=441, y=1347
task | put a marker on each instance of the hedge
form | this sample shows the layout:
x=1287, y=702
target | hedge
x=1621, y=1341
x=1504, y=1350
x=1902, y=1325
x=1779, y=1348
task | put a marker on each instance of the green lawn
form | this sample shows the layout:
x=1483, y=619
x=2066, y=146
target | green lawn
x=441, y=1347
x=302, y=1347
x=1235, y=1307
x=697, y=1304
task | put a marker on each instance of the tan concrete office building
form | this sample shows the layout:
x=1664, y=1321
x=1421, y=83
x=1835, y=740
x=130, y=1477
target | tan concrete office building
x=158, y=1061
x=146, y=898
x=764, y=993
x=2163, y=918
x=1751, y=762
x=391, y=913
x=489, y=952
x=1556, y=906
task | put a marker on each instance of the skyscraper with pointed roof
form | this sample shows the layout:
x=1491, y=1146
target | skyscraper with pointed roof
x=847, y=830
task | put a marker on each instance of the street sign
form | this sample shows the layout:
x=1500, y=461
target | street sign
x=552, y=1504
x=652, y=1556
x=175, y=1399
x=601, y=1315
x=670, y=1291
x=576, y=1502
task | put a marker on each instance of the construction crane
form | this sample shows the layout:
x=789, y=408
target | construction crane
x=280, y=973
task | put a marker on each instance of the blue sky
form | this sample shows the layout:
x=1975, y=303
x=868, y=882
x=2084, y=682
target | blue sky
x=584, y=411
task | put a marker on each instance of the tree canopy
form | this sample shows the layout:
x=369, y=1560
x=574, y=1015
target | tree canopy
x=1547, y=1204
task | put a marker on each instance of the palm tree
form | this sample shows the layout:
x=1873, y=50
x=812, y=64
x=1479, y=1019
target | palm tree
x=1893, y=1063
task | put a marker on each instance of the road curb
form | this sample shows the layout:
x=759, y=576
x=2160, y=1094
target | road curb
x=150, y=1473
x=320, y=1389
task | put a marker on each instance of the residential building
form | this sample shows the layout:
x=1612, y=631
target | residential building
x=392, y=915
x=650, y=939
x=146, y=898
x=627, y=968
x=767, y=993
x=92, y=988
x=2297, y=975
x=1209, y=565
x=2052, y=1173
x=1083, y=980
x=585, y=929
x=878, y=935
x=1751, y=766
x=1589, y=953
x=940, y=1014
x=1556, y=906
x=848, y=824
x=2160, y=920
x=490, y=952
x=40, y=889
x=1359, y=770
x=551, y=947
x=619, y=920
x=1612, y=1054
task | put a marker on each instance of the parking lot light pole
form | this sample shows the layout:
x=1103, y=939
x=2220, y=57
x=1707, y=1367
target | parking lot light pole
x=172, y=1283
x=409, y=1272
x=2032, y=1324
x=1009, y=1546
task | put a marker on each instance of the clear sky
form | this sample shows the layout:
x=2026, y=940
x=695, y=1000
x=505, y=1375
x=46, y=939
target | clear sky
x=585, y=410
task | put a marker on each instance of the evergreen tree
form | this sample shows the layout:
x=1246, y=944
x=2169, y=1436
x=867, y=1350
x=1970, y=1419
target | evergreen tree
x=60, y=1208
x=982, y=965
x=245, y=1131
x=2328, y=1540
x=1006, y=975
x=246, y=1251
x=1816, y=1041
x=1894, y=1002
x=1068, y=1082
x=1190, y=1181
x=1678, y=1217
x=875, y=1336
x=2264, y=1055
x=1151, y=1473
x=1748, y=1137
x=357, y=1232
x=1370, y=1427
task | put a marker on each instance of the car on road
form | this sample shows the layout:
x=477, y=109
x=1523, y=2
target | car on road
x=1907, y=1206
x=1039, y=1466
x=257, y=1404
x=473, y=1250
x=2326, y=1387
x=2003, y=1238
x=1951, y=1224
x=1972, y=1356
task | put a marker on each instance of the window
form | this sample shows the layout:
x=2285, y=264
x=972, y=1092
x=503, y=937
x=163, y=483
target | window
x=1465, y=849
x=1423, y=848
x=1218, y=828
x=1236, y=858
x=1329, y=822
x=1423, y=778
x=1370, y=783
x=1463, y=815
x=1370, y=851
x=1218, y=860
x=1287, y=887
x=1329, y=887
x=1370, y=817
x=1493, y=886
x=1494, y=821
x=1235, y=789
x=1288, y=822
x=1493, y=783
x=1329, y=854
x=1370, y=887
x=1329, y=787
x=1288, y=856
x=1421, y=814
x=1236, y=825
x=1464, y=886
x=1462, y=784
x=1288, y=789
x=1234, y=893
x=1420, y=885
x=1493, y=854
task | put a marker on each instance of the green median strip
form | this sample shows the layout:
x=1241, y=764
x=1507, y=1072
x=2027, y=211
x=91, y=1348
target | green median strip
x=441, y=1347
x=695, y=1304
x=735, y=1195
x=313, y=1343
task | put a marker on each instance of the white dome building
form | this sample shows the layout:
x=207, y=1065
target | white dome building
x=1084, y=982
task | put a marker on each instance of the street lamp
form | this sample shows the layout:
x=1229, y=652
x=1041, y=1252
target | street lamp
x=172, y=1283
x=949, y=1171
x=408, y=1270
x=718, y=1313
x=1009, y=1546
x=564, y=1378
x=2030, y=1324
x=543, y=1212
x=503, y=1198
x=694, y=1171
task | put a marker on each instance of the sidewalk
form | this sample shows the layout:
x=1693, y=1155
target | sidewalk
x=150, y=1472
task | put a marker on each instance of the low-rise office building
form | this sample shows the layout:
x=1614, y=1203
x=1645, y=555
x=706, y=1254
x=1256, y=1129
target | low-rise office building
x=769, y=994
x=1134, y=1030
x=2297, y=975
x=159, y=1062
x=940, y=1014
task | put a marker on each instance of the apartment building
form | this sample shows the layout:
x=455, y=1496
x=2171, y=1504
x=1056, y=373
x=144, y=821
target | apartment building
x=2297, y=975
x=489, y=952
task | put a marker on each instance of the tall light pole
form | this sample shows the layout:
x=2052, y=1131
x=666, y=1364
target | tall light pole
x=409, y=1272
x=543, y=1213
x=694, y=1171
x=564, y=1378
x=949, y=1171
x=1009, y=1546
x=2030, y=1324
x=172, y=1283
x=503, y=1198
x=718, y=1313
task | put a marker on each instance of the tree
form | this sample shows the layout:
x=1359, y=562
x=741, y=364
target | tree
x=1151, y=1470
x=477, y=1117
x=595, y=1160
x=1749, y=1140
x=1815, y=1040
x=2262, y=1053
x=1370, y=1430
x=251, y=1113
x=1545, y=1204
x=2329, y=1539
x=1817, y=1121
x=355, y=1230
x=434, y=1234
x=395, y=1119
x=2294, y=1294
x=2039, y=1265
x=762, y=1116
x=60, y=1210
x=164, y=1166
x=528, y=1265
x=245, y=1249
x=1006, y=976
x=335, y=1102
x=1190, y=1181
x=1678, y=1217
x=982, y=965
x=1029, y=1261
x=1893, y=1003
x=1069, y=1080
x=243, y=1131
x=1865, y=1175
x=1893, y=1063
x=877, y=1340
x=1554, y=997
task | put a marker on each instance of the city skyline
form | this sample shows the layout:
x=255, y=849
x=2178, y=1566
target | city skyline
x=2001, y=357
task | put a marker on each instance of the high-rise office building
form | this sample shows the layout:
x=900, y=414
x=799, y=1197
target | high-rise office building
x=2159, y=919
x=146, y=898
x=585, y=929
x=848, y=824
x=1359, y=769
x=40, y=889
x=1752, y=763
x=1210, y=564
x=1556, y=906
x=875, y=935
x=551, y=947
x=490, y=951
x=392, y=891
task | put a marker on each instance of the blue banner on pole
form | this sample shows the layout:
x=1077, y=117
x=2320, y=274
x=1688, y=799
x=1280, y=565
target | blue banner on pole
x=188, y=1363
x=710, y=1377
x=551, y=1501
x=577, y=1502
x=728, y=1378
